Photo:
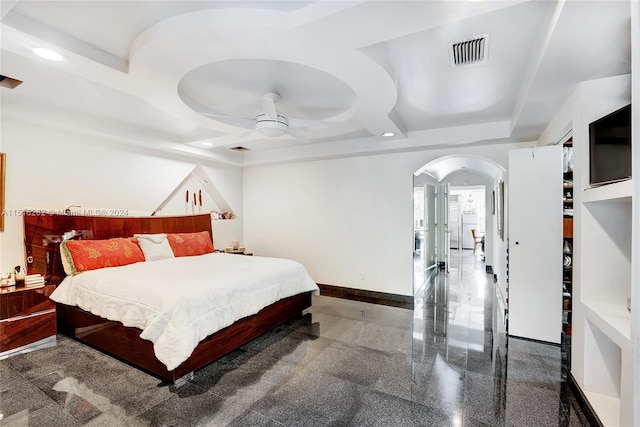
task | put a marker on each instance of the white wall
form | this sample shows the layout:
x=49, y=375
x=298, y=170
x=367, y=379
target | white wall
x=343, y=218
x=53, y=169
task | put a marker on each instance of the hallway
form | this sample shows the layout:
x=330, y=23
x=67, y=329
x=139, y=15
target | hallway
x=472, y=371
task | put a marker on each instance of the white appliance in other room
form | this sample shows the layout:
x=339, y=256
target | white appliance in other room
x=469, y=222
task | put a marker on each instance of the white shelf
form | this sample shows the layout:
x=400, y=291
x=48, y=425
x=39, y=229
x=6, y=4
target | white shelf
x=618, y=191
x=613, y=320
x=607, y=408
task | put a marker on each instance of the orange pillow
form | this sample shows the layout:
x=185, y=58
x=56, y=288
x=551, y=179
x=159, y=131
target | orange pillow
x=83, y=255
x=188, y=244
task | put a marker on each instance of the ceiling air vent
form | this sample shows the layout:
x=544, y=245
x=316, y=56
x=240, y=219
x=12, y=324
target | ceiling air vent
x=240, y=148
x=8, y=82
x=469, y=51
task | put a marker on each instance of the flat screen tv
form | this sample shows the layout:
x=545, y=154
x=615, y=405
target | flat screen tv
x=610, y=148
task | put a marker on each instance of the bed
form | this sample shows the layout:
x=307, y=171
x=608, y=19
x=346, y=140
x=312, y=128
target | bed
x=178, y=340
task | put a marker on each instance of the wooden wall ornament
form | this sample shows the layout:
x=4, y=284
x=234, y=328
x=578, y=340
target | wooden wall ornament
x=3, y=175
x=202, y=186
x=500, y=209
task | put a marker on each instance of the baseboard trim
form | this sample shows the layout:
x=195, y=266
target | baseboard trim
x=585, y=406
x=534, y=340
x=382, y=298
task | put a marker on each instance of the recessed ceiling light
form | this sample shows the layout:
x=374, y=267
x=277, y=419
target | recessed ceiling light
x=389, y=134
x=206, y=144
x=47, y=54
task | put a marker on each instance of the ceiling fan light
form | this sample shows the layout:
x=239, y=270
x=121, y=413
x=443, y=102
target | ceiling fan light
x=271, y=128
x=271, y=132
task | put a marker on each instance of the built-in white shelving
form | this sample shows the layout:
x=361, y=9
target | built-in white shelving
x=607, y=408
x=606, y=218
x=617, y=191
x=613, y=320
x=603, y=251
x=605, y=225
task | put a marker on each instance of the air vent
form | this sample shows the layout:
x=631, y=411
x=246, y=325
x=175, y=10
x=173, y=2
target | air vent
x=470, y=51
x=240, y=148
x=8, y=82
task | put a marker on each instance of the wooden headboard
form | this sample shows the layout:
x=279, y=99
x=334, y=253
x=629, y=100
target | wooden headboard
x=44, y=232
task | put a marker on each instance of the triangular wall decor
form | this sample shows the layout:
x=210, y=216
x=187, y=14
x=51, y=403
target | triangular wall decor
x=195, y=194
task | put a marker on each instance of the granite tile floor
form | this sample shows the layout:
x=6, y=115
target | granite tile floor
x=346, y=363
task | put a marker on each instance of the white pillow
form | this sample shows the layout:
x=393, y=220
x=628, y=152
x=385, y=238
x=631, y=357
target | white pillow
x=154, y=246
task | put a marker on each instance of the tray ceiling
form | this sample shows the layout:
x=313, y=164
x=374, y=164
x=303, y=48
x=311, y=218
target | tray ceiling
x=144, y=71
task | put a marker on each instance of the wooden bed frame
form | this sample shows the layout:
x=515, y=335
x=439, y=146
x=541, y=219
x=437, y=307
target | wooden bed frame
x=43, y=234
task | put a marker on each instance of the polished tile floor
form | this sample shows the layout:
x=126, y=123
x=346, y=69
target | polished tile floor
x=346, y=363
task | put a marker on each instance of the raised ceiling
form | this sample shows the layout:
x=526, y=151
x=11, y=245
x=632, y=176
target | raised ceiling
x=143, y=71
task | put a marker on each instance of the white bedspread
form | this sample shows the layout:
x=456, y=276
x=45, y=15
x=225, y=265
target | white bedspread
x=180, y=301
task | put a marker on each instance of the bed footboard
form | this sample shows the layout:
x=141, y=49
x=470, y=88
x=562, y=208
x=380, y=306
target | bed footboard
x=125, y=343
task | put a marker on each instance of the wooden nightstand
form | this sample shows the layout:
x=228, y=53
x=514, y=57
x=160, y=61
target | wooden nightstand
x=27, y=319
x=240, y=251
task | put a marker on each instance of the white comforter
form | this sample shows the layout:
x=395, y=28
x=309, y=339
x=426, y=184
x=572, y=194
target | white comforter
x=180, y=301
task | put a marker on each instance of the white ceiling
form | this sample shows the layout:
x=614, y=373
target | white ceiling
x=142, y=71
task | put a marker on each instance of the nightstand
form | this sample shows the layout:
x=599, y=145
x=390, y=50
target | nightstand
x=239, y=251
x=27, y=319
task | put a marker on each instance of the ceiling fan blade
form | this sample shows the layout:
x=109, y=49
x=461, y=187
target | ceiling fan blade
x=227, y=140
x=222, y=116
x=297, y=135
x=269, y=105
x=243, y=122
x=299, y=123
x=246, y=133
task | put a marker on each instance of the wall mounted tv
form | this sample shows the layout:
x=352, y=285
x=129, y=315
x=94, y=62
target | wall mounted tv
x=610, y=148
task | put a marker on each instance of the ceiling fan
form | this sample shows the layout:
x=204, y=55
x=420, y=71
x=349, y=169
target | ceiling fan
x=271, y=122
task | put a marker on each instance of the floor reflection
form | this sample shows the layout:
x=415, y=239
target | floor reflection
x=461, y=349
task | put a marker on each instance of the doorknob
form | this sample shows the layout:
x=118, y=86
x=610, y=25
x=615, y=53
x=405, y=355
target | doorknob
x=517, y=243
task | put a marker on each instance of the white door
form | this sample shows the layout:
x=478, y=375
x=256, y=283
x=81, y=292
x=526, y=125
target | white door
x=535, y=243
x=430, y=226
x=454, y=221
x=446, y=188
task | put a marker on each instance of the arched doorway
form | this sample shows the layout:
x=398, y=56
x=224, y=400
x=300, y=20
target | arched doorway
x=432, y=225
